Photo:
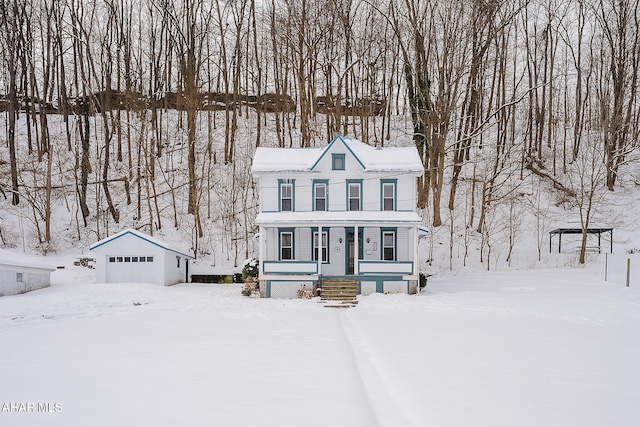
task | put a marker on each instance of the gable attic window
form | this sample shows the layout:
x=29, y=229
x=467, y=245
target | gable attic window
x=286, y=190
x=337, y=162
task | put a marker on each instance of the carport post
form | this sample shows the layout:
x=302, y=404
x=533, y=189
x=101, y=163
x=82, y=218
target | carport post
x=628, y=270
x=560, y=242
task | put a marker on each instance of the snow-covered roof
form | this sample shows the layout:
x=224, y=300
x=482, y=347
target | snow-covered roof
x=327, y=218
x=372, y=159
x=142, y=236
x=15, y=259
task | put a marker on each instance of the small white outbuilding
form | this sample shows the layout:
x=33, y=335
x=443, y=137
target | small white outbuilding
x=20, y=274
x=134, y=257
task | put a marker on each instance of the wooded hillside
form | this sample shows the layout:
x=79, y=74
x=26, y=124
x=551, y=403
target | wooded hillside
x=147, y=112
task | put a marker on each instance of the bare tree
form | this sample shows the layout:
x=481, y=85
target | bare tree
x=11, y=23
x=587, y=182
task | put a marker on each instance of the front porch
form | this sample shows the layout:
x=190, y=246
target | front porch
x=380, y=257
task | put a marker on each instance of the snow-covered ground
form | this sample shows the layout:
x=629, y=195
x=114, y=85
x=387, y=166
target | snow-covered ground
x=557, y=347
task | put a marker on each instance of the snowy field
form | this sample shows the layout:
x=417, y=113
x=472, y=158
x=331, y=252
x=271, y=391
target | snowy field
x=519, y=348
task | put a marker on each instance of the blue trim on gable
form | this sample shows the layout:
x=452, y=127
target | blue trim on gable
x=328, y=148
x=117, y=236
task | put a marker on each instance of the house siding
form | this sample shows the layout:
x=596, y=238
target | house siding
x=33, y=278
x=284, y=277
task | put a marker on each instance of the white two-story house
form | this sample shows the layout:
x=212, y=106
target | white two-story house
x=345, y=211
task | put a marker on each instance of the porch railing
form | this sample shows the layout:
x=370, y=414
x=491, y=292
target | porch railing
x=385, y=267
x=290, y=267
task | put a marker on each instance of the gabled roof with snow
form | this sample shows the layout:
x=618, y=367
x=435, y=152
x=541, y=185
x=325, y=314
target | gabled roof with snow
x=139, y=235
x=371, y=159
x=15, y=259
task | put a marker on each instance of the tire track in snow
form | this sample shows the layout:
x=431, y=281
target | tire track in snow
x=613, y=299
x=370, y=408
x=383, y=394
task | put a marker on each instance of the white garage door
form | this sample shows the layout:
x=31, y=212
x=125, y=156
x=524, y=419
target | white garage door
x=131, y=269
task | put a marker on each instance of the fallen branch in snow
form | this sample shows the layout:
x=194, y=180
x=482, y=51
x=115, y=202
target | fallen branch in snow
x=556, y=184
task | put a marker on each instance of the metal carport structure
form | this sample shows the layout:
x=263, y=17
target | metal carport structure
x=578, y=230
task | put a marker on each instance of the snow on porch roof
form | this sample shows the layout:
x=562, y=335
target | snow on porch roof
x=139, y=235
x=325, y=218
x=373, y=159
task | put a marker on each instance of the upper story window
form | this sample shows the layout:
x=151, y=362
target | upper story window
x=354, y=196
x=388, y=245
x=337, y=162
x=320, y=196
x=286, y=191
x=286, y=245
x=388, y=195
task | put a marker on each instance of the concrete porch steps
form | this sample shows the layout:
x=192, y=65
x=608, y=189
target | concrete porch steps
x=339, y=292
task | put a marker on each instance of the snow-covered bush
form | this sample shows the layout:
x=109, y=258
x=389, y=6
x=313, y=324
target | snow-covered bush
x=250, y=268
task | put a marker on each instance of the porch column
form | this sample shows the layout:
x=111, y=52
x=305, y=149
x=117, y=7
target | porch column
x=261, y=239
x=416, y=253
x=356, y=249
x=319, y=249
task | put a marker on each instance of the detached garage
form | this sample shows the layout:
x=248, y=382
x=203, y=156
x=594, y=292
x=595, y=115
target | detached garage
x=134, y=257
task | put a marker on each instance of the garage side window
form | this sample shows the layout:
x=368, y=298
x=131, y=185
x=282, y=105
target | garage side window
x=178, y=258
x=19, y=277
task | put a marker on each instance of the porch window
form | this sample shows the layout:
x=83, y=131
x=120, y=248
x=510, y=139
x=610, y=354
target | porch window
x=286, y=190
x=286, y=245
x=388, y=195
x=320, y=196
x=388, y=245
x=325, y=240
x=354, y=190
